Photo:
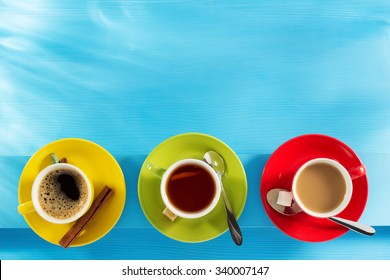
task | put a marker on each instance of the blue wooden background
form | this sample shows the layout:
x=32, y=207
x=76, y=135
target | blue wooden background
x=129, y=74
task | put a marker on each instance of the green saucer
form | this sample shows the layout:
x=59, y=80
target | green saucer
x=191, y=145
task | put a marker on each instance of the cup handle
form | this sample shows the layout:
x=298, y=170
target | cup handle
x=159, y=172
x=357, y=172
x=26, y=208
x=155, y=170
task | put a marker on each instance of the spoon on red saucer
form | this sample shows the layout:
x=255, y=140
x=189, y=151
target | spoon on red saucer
x=293, y=209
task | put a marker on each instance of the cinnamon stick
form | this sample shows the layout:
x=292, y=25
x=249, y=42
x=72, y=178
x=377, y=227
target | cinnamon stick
x=81, y=223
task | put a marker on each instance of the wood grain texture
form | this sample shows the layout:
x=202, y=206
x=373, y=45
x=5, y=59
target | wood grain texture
x=259, y=244
x=130, y=74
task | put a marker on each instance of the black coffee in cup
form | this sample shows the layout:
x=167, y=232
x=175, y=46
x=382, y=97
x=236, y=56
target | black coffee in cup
x=63, y=193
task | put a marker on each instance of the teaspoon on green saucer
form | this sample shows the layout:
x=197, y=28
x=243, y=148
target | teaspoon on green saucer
x=216, y=162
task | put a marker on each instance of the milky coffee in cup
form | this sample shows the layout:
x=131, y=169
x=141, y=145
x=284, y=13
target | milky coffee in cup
x=63, y=193
x=322, y=187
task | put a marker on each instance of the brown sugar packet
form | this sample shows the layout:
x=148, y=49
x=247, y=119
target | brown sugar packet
x=83, y=221
x=169, y=214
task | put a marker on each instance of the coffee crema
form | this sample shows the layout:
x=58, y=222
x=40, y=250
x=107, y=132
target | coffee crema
x=63, y=193
x=321, y=187
x=191, y=188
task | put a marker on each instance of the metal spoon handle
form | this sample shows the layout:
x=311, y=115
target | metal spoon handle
x=360, y=228
x=234, y=228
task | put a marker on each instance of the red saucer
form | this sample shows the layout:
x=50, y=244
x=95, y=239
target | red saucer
x=279, y=172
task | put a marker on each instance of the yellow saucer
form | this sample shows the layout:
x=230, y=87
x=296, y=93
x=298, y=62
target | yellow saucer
x=102, y=169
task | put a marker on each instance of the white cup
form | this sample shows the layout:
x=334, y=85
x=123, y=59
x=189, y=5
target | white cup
x=165, y=175
x=35, y=205
x=347, y=193
x=286, y=198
